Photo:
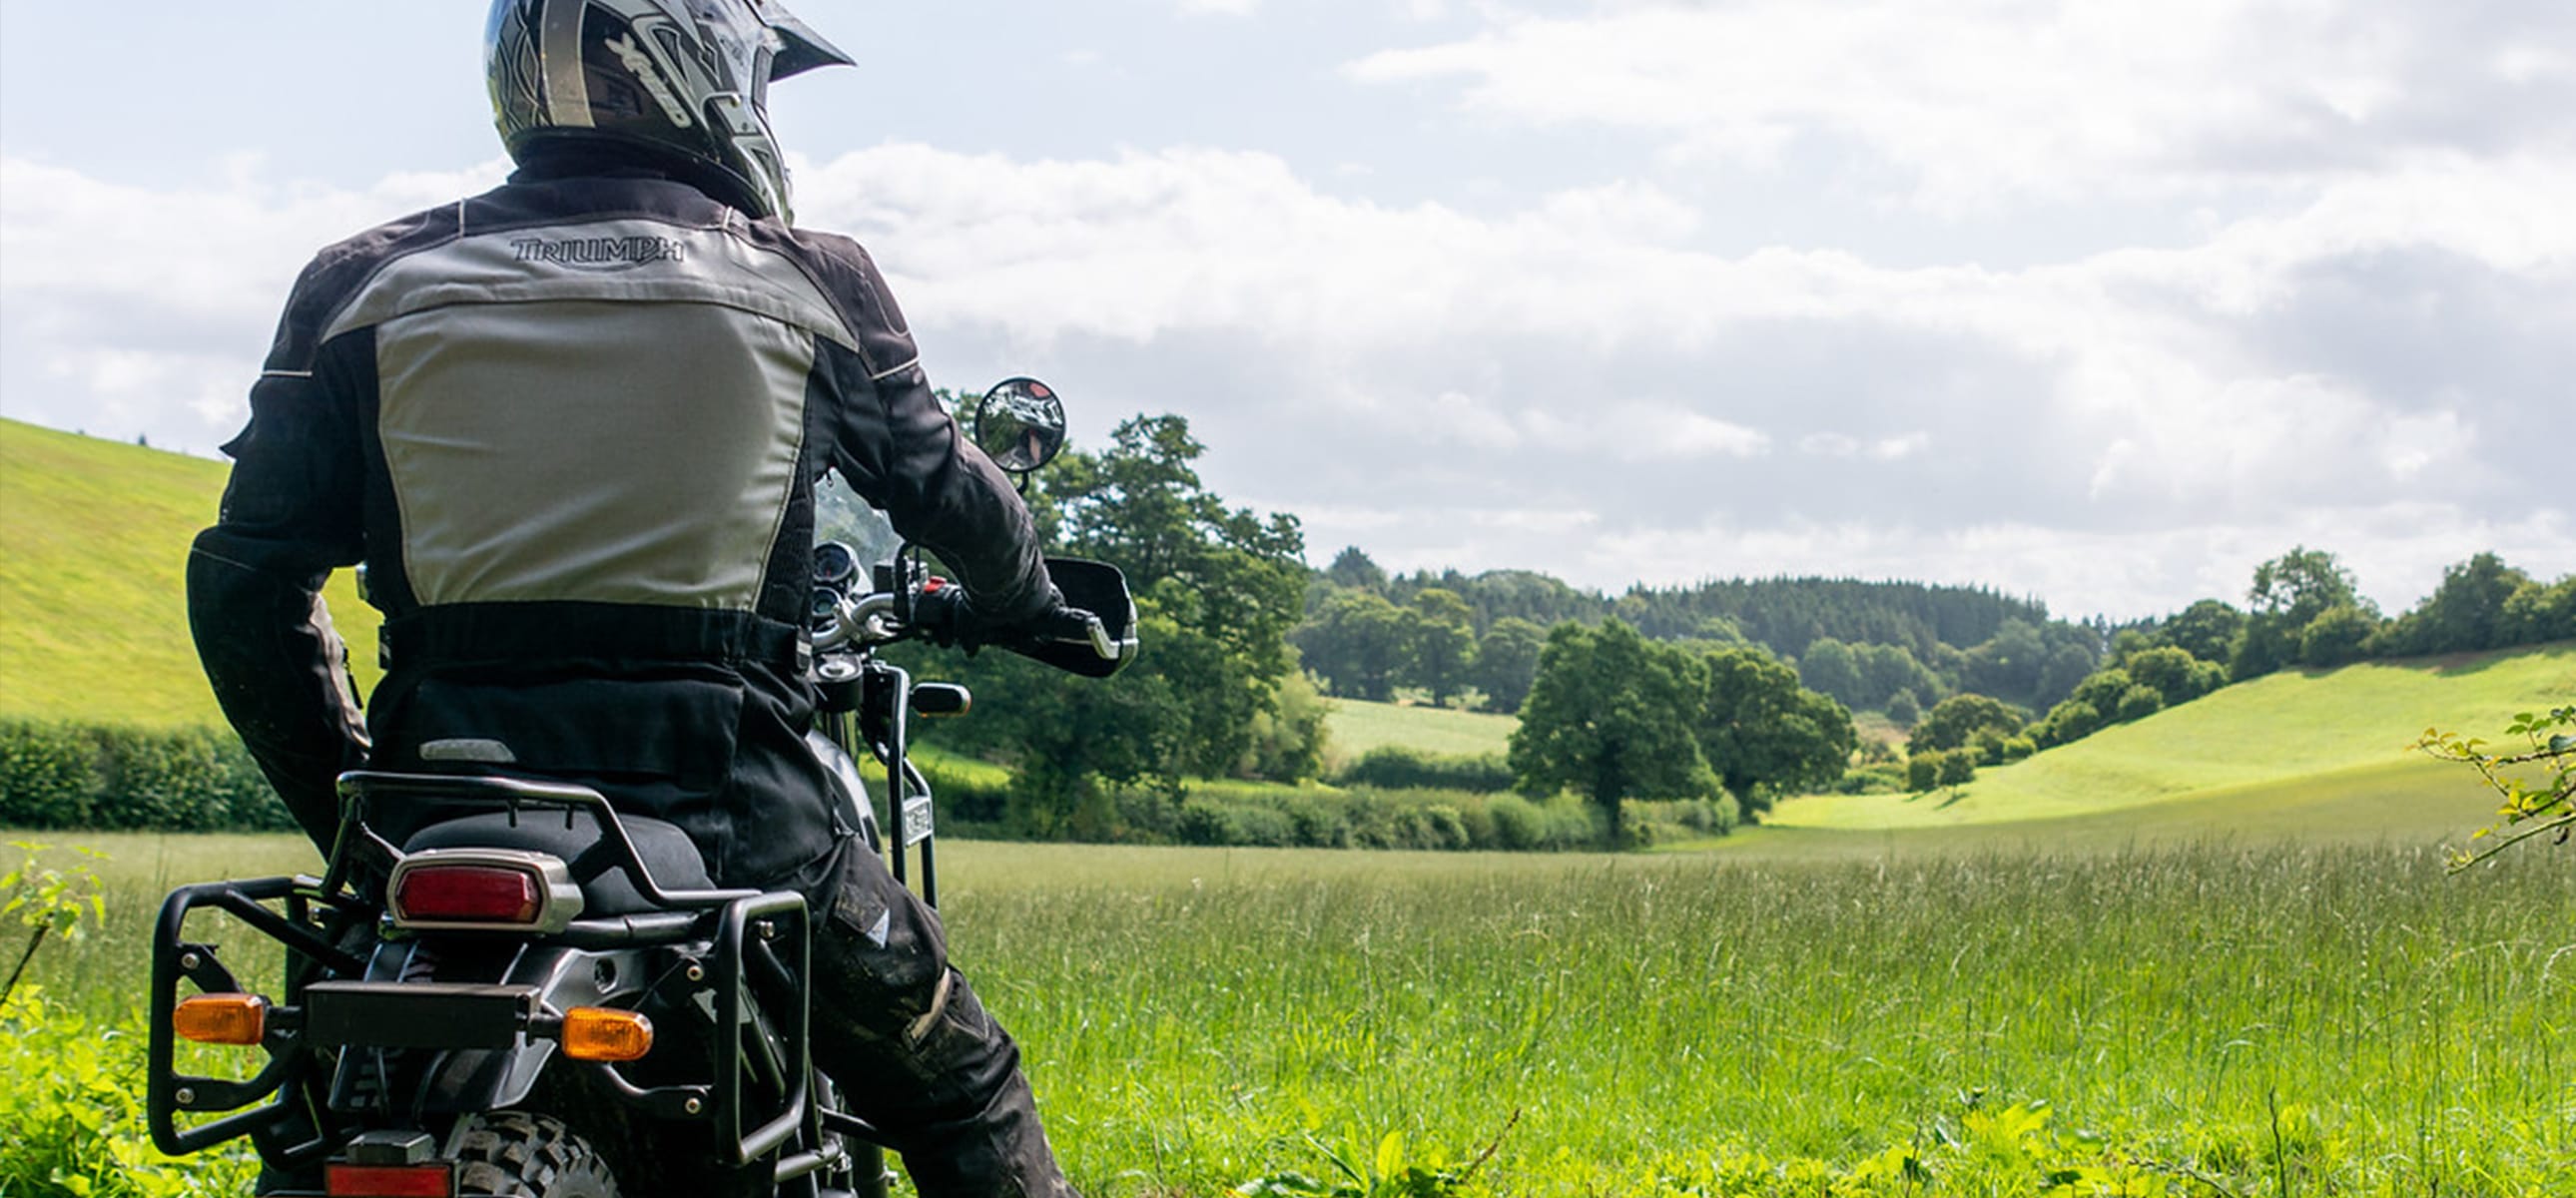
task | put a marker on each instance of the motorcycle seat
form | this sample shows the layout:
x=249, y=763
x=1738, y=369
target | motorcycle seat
x=596, y=865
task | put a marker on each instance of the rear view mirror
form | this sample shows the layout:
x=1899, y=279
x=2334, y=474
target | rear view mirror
x=1020, y=425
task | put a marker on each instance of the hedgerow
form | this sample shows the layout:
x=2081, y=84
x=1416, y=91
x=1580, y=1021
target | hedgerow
x=63, y=775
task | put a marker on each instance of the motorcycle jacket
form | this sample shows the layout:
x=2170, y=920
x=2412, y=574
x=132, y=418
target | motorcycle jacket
x=572, y=428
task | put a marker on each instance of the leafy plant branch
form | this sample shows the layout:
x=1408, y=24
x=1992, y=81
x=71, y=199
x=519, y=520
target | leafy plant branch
x=47, y=901
x=2538, y=784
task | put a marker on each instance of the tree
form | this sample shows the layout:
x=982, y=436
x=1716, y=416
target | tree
x=2138, y=702
x=2301, y=584
x=1439, y=640
x=2288, y=594
x=1609, y=716
x=1356, y=642
x=1903, y=709
x=1506, y=661
x=2465, y=613
x=2069, y=721
x=1352, y=568
x=2008, y=663
x=1761, y=732
x=2169, y=671
x=1954, y=722
x=2336, y=637
x=1887, y=669
x=1065, y=736
x=2537, y=614
x=1830, y=667
x=1217, y=589
x=2207, y=629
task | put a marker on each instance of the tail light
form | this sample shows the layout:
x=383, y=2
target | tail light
x=390, y=1181
x=473, y=889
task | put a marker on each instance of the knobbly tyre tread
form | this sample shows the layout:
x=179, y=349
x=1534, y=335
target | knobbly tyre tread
x=509, y=1154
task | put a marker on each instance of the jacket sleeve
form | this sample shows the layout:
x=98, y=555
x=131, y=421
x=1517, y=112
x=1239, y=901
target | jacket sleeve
x=900, y=450
x=290, y=514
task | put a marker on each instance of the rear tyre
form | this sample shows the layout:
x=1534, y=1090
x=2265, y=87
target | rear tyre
x=507, y=1154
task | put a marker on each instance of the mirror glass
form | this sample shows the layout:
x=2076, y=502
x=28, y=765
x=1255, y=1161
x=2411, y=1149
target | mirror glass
x=1020, y=425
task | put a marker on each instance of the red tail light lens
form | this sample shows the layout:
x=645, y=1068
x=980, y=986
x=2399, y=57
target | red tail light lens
x=389, y=1181
x=491, y=894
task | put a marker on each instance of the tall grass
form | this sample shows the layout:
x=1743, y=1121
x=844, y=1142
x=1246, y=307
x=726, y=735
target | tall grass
x=2415, y=1028
x=2283, y=1019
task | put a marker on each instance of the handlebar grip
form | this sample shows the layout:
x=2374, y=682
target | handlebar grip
x=939, y=609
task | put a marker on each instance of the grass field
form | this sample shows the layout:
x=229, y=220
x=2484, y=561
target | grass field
x=1357, y=726
x=2248, y=1020
x=2271, y=746
x=93, y=560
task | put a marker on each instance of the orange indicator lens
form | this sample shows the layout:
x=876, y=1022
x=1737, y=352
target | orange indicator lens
x=221, y=1018
x=600, y=1034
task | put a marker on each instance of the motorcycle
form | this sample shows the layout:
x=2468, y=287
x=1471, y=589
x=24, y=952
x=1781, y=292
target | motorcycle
x=543, y=997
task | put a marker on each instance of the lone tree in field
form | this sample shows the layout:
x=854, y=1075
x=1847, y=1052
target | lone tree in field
x=1761, y=732
x=1610, y=717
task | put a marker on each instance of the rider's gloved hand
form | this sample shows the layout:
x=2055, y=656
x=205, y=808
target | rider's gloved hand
x=1066, y=625
x=951, y=618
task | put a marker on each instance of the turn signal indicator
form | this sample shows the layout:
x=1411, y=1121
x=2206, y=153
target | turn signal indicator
x=601, y=1034
x=221, y=1019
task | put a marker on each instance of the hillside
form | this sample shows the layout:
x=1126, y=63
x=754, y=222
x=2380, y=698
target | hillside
x=93, y=555
x=1357, y=726
x=2286, y=741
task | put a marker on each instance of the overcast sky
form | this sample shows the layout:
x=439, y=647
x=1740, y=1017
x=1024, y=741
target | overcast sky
x=2099, y=301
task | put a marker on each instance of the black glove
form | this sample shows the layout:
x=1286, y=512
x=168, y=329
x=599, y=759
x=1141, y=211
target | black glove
x=948, y=614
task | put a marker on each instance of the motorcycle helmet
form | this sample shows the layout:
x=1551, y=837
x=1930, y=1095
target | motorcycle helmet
x=672, y=80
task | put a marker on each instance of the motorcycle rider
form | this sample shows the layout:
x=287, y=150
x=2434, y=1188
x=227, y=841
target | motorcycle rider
x=572, y=428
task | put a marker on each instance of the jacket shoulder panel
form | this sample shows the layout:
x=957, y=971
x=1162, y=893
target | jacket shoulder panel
x=851, y=283
x=338, y=273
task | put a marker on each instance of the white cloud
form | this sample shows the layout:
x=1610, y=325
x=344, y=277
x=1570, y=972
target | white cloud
x=1575, y=385
x=1981, y=100
x=145, y=309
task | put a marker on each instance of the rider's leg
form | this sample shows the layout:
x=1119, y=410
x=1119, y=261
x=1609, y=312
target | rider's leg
x=913, y=1049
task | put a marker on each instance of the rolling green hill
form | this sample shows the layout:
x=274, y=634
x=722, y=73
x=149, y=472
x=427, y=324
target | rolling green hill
x=1357, y=726
x=93, y=557
x=2268, y=749
x=94, y=537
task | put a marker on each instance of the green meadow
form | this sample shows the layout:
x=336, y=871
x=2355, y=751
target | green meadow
x=1795, y=1016
x=2212, y=953
x=1358, y=726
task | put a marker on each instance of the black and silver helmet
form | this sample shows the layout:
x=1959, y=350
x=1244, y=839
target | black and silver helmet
x=684, y=78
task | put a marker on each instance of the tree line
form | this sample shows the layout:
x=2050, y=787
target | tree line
x=2303, y=609
x=1893, y=646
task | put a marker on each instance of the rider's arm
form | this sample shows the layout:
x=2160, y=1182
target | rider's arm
x=290, y=514
x=902, y=452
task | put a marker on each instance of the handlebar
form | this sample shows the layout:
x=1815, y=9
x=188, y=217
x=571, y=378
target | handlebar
x=873, y=619
x=1094, y=634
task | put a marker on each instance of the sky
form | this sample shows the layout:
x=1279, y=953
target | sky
x=2100, y=303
